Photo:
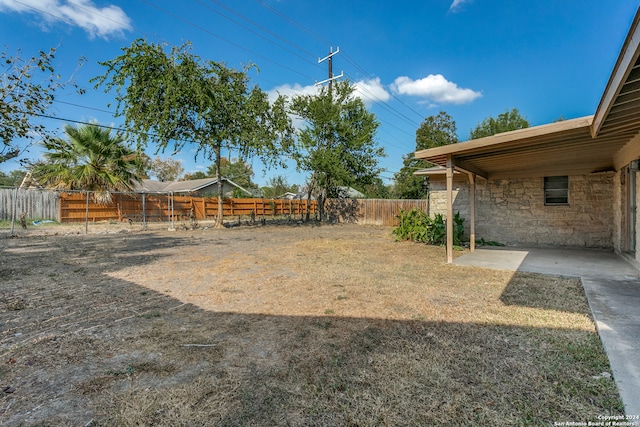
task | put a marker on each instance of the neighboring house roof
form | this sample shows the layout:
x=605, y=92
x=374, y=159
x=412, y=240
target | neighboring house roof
x=606, y=141
x=289, y=196
x=351, y=193
x=190, y=186
x=294, y=196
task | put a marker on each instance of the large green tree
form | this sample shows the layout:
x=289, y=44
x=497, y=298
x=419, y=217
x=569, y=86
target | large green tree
x=277, y=186
x=195, y=175
x=337, y=146
x=90, y=159
x=377, y=189
x=177, y=97
x=505, y=122
x=434, y=131
x=12, y=179
x=165, y=169
x=236, y=170
x=28, y=86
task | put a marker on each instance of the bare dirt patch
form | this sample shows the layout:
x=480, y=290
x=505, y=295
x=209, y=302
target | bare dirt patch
x=331, y=325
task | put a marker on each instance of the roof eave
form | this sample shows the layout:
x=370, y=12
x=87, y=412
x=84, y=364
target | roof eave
x=506, y=138
x=627, y=57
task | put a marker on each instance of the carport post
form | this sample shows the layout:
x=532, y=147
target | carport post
x=449, y=209
x=472, y=208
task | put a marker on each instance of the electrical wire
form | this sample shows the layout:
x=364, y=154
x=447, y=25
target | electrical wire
x=125, y=25
x=253, y=32
x=363, y=89
x=349, y=59
x=205, y=30
x=265, y=29
x=367, y=94
x=59, y=18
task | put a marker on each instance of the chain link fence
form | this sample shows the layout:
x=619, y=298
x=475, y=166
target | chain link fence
x=22, y=208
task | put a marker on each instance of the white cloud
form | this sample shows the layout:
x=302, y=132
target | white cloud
x=371, y=91
x=436, y=88
x=291, y=90
x=97, y=21
x=457, y=5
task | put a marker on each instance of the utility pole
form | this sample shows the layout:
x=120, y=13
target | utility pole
x=330, y=76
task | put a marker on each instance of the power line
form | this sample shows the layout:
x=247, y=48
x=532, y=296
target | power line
x=352, y=61
x=265, y=29
x=252, y=31
x=384, y=105
x=85, y=106
x=98, y=14
x=59, y=18
x=198, y=27
x=293, y=22
x=118, y=129
x=364, y=91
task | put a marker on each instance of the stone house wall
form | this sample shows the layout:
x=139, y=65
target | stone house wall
x=618, y=208
x=512, y=211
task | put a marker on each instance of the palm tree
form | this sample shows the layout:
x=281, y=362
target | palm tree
x=90, y=159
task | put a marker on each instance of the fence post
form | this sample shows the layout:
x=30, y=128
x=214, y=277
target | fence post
x=13, y=210
x=172, y=211
x=86, y=215
x=144, y=212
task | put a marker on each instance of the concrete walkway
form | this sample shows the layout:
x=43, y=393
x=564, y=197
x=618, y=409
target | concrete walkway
x=612, y=286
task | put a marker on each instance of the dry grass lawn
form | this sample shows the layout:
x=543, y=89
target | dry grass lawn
x=300, y=326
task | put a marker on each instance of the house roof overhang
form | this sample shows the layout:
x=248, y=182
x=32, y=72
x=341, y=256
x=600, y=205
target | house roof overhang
x=606, y=141
x=619, y=107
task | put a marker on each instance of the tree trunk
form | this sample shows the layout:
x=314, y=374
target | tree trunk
x=310, y=190
x=322, y=196
x=219, y=218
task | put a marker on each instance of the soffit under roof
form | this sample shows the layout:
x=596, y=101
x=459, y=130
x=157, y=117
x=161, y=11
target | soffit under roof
x=565, y=147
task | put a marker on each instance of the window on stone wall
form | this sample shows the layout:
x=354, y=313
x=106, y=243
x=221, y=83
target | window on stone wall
x=556, y=190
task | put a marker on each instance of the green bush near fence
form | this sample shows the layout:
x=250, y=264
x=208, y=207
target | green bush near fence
x=417, y=226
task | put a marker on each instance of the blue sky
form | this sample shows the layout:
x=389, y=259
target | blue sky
x=408, y=59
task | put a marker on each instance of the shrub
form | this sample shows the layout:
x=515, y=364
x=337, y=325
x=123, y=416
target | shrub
x=417, y=226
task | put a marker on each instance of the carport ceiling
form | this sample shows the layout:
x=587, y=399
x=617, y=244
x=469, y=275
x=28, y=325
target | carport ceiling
x=562, y=148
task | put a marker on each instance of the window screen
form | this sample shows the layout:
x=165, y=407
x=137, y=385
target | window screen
x=556, y=190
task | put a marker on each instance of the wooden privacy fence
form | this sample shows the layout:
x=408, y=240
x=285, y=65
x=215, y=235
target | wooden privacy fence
x=41, y=204
x=371, y=211
x=385, y=211
x=73, y=207
x=76, y=207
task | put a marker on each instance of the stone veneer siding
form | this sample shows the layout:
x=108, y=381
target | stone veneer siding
x=618, y=206
x=512, y=211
